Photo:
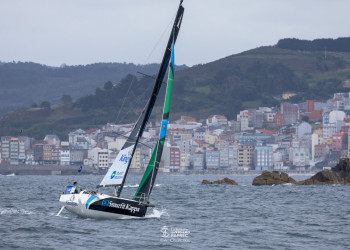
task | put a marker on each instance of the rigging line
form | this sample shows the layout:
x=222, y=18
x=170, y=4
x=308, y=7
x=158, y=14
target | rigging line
x=121, y=107
x=147, y=59
x=160, y=38
x=149, y=76
x=127, y=137
x=138, y=101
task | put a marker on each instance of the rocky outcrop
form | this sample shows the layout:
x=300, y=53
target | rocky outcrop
x=272, y=178
x=340, y=174
x=206, y=182
x=223, y=181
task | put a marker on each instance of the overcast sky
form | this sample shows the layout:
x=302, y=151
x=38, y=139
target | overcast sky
x=75, y=32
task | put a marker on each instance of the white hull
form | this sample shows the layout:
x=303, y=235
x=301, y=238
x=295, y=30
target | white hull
x=79, y=204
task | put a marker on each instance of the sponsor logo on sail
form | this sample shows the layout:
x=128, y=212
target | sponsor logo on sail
x=117, y=175
x=113, y=174
x=124, y=158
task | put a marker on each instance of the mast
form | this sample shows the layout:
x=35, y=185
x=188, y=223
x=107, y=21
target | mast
x=137, y=132
x=144, y=190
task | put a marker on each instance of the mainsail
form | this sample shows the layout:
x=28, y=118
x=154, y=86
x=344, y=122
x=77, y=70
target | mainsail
x=144, y=190
x=118, y=171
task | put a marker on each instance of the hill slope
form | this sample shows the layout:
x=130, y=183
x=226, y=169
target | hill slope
x=21, y=84
x=245, y=80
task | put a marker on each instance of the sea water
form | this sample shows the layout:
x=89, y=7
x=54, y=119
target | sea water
x=187, y=215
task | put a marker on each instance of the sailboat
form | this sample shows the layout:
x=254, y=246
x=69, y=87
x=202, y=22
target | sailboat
x=102, y=206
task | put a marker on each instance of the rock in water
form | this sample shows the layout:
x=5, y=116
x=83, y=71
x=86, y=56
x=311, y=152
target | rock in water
x=206, y=182
x=226, y=181
x=272, y=178
x=223, y=181
x=340, y=174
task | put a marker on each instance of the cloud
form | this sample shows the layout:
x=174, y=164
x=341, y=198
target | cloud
x=88, y=31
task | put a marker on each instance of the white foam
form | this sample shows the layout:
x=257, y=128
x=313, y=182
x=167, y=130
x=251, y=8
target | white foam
x=288, y=184
x=61, y=216
x=13, y=174
x=157, y=213
x=5, y=211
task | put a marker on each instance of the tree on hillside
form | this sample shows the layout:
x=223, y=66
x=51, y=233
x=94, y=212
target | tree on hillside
x=66, y=99
x=108, y=85
x=34, y=105
x=339, y=44
x=45, y=105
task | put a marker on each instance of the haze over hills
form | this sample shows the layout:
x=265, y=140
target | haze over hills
x=226, y=86
x=23, y=83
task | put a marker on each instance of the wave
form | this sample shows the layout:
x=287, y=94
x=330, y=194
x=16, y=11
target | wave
x=5, y=211
x=137, y=185
x=13, y=174
x=132, y=186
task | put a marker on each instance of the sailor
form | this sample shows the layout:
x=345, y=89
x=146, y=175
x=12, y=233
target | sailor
x=76, y=187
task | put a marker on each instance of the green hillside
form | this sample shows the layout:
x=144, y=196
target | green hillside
x=246, y=80
x=22, y=83
x=254, y=77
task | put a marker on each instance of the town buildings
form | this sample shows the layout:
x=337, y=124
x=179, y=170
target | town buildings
x=260, y=139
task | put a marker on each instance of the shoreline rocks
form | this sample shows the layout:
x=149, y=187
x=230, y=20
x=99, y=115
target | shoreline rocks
x=223, y=181
x=340, y=174
x=272, y=178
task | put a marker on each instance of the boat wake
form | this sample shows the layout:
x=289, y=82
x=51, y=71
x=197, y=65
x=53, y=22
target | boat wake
x=157, y=213
x=153, y=214
x=6, y=211
x=61, y=215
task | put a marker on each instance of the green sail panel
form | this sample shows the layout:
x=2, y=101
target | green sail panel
x=139, y=127
x=144, y=190
x=148, y=171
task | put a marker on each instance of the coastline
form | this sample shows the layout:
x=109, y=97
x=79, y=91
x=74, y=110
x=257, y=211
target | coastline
x=7, y=169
